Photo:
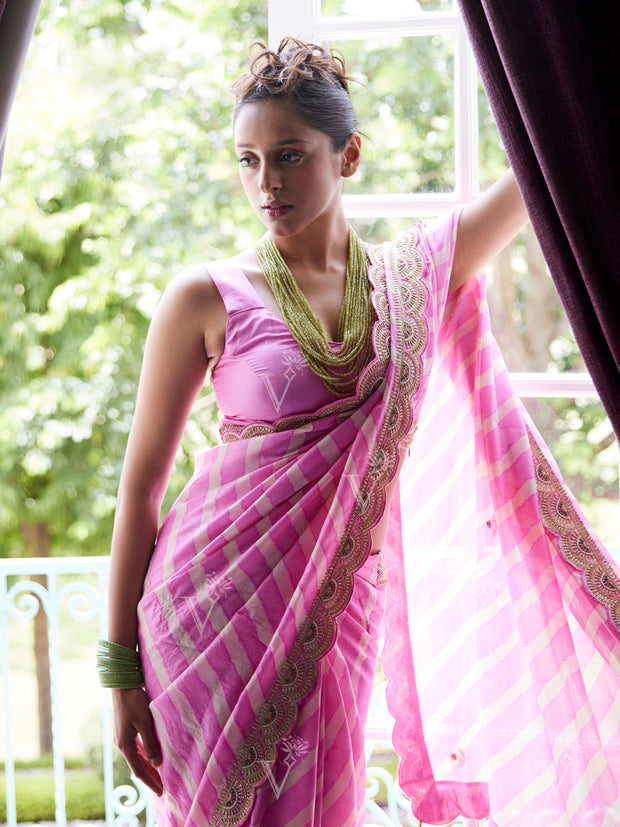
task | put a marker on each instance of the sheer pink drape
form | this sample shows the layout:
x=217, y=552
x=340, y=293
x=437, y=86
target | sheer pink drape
x=502, y=627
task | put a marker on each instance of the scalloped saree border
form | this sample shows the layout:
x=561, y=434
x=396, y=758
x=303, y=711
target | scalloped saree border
x=402, y=342
x=577, y=545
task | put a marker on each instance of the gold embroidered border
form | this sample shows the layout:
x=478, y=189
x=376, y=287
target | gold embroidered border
x=233, y=431
x=403, y=344
x=577, y=544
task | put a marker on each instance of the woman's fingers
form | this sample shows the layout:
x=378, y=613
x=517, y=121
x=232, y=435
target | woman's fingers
x=144, y=769
x=134, y=735
x=150, y=748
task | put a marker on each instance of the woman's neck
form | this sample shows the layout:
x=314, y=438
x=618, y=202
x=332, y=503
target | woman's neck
x=320, y=248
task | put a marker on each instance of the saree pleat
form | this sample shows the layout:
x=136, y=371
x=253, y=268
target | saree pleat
x=227, y=620
x=327, y=786
x=261, y=613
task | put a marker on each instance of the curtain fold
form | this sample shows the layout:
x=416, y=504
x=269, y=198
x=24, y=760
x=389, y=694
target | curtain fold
x=17, y=21
x=549, y=70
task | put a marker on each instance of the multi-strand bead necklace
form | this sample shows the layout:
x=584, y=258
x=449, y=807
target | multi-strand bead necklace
x=338, y=367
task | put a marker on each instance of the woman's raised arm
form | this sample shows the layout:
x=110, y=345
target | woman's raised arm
x=486, y=225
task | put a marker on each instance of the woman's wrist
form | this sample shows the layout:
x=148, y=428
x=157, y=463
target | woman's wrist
x=119, y=666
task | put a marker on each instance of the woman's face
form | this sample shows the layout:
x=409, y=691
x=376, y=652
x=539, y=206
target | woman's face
x=289, y=171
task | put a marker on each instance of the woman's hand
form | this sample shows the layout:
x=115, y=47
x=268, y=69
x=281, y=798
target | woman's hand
x=134, y=735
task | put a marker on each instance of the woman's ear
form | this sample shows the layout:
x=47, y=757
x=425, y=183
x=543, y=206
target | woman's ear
x=351, y=155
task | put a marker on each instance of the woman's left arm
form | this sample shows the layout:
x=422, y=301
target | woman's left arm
x=485, y=227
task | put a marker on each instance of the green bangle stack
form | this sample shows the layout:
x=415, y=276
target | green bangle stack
x=119, y=666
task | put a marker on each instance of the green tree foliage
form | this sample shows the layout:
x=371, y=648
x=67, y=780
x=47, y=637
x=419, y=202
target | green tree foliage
x=118, y=173
x=403, y=95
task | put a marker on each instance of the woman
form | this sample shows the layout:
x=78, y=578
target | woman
x=257, y=605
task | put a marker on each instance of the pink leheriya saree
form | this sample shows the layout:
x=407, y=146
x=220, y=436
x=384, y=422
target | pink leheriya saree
x=259, y=620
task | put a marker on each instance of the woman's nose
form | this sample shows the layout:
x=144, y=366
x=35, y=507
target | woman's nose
x=269, y=178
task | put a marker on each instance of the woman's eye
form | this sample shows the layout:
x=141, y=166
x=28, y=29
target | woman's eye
x=291, y=157
x=245, y=162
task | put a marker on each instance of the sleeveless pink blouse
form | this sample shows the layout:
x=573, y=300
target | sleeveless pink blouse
x=262, y=375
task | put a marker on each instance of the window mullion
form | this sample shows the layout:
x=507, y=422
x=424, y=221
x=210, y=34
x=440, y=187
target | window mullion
x=399, y=205
x=336, y=28
x=292, y=17
x=465, y=117
x=303, y=18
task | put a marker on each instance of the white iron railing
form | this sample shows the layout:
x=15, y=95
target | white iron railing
x=21, y=600
x=77, y=586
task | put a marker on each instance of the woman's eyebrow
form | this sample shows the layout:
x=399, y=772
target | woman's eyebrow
x=279, y=143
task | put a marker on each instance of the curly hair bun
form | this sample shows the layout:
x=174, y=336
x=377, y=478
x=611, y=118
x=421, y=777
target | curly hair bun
x=309, y=77
x=294, y=63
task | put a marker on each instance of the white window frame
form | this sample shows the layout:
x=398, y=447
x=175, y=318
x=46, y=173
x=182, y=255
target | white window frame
x=303, y=18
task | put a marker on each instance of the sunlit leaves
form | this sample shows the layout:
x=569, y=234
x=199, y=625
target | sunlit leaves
x=405, y=103
x=118, y=169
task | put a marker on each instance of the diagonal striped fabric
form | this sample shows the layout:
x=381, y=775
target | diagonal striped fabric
x=259, y=622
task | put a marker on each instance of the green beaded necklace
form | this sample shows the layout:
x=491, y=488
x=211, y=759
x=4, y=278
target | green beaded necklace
x=338, y=367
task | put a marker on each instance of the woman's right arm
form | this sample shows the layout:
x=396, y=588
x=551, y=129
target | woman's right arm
x=185, y=339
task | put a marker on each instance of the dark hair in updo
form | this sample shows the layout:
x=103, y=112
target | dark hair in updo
x=310, y=78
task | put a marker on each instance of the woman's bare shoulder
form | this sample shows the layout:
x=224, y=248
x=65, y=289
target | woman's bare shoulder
x=194, y=288
x=192, y=298
x=197, y=280
x=194, y=280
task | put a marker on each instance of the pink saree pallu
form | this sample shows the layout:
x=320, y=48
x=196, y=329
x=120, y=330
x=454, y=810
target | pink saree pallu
x=262, y=608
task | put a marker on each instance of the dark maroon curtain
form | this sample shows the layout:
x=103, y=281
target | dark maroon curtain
x=551, y=70
x=17, y=22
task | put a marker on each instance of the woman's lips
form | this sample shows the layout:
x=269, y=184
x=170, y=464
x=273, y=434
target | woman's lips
x=277, y=209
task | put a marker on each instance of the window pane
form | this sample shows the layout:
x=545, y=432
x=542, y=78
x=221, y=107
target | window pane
x=492, y=160
x=388, y=8
x=527, y=316
x=582, y=442
x=528, y=319
x=405, y=107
